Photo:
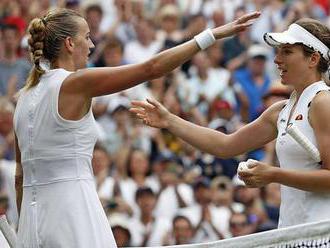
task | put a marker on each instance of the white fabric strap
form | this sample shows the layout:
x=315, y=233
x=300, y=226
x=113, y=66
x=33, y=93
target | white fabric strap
x=205, y=39
x=308, y=39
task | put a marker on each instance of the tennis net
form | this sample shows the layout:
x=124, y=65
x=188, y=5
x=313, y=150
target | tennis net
x=307, y=235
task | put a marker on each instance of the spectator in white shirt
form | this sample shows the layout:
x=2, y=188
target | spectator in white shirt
x=149, y=229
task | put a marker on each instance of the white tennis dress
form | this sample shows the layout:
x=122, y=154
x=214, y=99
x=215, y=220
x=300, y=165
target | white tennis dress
x=60, y=206
x=298, y=206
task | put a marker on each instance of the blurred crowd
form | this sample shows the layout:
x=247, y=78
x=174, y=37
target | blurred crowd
x=156, y=189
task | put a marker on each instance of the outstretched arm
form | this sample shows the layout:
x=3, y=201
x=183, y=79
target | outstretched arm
x=101, y=81
x=251, y=136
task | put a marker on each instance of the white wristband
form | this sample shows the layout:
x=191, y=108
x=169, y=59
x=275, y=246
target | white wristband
x=205, y=39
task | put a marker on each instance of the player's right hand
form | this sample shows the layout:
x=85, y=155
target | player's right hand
x=238, y=25
x=151, y=112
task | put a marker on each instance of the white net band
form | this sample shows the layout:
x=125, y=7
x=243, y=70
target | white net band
x=307, y=235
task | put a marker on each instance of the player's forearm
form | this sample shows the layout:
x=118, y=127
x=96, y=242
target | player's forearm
x=204, y=139
x=114, y=79
x=313, y=181
x=168, y=60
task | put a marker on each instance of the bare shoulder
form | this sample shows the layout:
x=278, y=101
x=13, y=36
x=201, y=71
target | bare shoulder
x=319, y=109
x=321, y=99
x=72, y=84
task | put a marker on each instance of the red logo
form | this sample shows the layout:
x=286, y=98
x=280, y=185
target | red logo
x=299, y=117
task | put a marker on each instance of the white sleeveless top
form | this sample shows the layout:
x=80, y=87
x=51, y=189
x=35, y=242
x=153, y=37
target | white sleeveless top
x=60, y=207
x=298, y=206
x=42, y=132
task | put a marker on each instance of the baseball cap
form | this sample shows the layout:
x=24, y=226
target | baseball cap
x=257, y=50
x=119, y=220
x=202, y=182
x=222, y=104
x=118, y=102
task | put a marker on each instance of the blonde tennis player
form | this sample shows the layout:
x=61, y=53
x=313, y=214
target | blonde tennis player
x=55, y=129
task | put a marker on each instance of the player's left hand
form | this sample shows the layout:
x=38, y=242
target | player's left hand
x=258, y=175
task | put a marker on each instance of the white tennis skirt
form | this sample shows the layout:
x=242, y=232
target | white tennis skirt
x=63, y=214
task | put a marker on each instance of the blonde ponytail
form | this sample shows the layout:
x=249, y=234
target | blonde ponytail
x=36, y=41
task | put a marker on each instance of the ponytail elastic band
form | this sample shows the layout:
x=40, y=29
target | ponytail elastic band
x=205, y=39
x=43, y=21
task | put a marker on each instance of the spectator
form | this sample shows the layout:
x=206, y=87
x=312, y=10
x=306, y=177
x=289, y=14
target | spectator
x=174, y=194
x=223, y=194
x=120, y=229
x=3, y=210
x=239, y=225
x=271, y=196
x=6, y=129
x=234, y=48
x=182, y=231
x=254, y=80
x=255, y=83
x=144, y=47
x=169, y=20
x=112, y=53
x=101, y=163
x=138, y=171
x=7, y=179
x=223, y=118
x=117, y=121
x=204, y=85
x=216, y=57
x=211, y=222
x=11, y=64
x=272, y=15
x=93, y=15
x=149, y=229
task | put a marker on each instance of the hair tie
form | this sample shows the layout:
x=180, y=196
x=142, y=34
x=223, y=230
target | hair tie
x=43, y=20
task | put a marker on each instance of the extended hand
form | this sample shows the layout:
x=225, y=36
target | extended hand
x=151, y=112
x=239, y=25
